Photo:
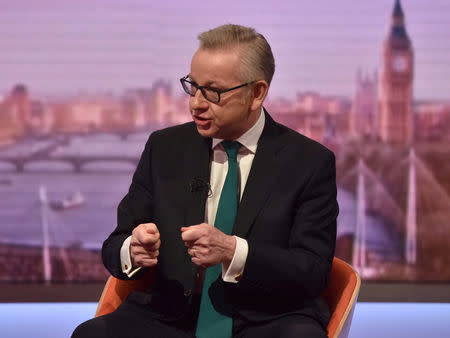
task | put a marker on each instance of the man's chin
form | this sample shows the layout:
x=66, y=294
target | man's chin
x=206, y=132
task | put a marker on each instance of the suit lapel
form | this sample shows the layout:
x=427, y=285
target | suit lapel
x=196, y=164
x=263, y=174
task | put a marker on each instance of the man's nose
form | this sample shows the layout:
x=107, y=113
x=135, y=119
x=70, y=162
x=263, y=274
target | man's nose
x=198, y=100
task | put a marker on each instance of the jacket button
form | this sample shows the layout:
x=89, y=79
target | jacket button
x=187, y=293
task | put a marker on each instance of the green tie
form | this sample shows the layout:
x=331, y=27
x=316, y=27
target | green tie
x=212, y=323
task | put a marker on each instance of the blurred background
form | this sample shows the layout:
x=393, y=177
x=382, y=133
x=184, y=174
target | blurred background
x=84, y=83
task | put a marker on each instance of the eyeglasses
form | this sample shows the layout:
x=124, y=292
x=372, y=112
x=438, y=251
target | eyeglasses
x=209, y=93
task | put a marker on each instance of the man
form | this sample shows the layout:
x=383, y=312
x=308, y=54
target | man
x=259, y=214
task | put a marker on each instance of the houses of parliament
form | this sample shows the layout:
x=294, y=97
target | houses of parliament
x=382, y=107
x=390, y=118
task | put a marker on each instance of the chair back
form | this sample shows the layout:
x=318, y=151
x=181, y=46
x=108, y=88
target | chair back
x=341, y=295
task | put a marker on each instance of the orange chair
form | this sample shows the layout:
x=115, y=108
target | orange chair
x=341, y=295
x=117, y=290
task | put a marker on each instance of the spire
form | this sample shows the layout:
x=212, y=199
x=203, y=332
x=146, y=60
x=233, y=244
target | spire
x=398, y=35
x=398, y=18
x=398, y=11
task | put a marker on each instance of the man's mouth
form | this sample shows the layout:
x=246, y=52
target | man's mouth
x=200, y=121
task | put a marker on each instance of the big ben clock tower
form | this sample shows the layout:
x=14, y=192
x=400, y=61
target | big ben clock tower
x=396, y=80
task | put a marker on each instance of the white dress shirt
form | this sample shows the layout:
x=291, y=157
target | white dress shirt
x=219, y=169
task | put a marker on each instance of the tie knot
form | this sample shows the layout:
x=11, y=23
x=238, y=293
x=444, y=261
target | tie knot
x=232, y=148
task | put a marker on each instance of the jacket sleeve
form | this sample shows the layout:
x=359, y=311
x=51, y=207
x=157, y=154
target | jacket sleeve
x=300, y=270
x=134, y=209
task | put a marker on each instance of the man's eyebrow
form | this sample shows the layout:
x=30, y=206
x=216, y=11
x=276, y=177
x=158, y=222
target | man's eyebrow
x=191, y=78
x=212, y=84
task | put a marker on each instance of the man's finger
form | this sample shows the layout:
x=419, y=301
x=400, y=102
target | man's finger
x=142, y=251
x=145, y=262
x=183, y=229
x=189, y=244
x=151, y=228
x=153, y=254
x=193, y=252
x=191, y=235
x=195, y=260
x=149, y=240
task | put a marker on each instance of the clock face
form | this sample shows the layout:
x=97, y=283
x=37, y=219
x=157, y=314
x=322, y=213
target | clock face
x=399, y=63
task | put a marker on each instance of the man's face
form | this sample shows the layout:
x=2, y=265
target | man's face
x=232, y=116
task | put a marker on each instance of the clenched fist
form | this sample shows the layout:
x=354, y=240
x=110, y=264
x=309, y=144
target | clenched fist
x=208, y=245
x=144, y=245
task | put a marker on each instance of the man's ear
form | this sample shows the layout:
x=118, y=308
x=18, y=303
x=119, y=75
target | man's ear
x=259, y=93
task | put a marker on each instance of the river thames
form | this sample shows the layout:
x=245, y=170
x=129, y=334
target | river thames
x=102, y=184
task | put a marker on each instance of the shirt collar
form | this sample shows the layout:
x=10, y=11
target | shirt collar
x=250, y=138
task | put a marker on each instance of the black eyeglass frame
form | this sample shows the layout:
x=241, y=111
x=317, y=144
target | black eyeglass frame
x=218, y=91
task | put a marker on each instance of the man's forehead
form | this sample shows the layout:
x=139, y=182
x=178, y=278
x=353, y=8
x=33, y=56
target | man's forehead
x=218, y=65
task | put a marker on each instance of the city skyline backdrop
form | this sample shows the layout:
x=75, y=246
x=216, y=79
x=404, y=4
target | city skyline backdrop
x=59, y=154
x=57, y=48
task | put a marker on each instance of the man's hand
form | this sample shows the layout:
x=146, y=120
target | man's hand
x=208, y=245
x=144, y=245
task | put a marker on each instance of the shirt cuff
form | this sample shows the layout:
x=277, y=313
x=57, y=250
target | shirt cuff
x=236, y=268
x=125, y=258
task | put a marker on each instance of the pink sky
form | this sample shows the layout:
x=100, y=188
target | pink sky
x=61, y=47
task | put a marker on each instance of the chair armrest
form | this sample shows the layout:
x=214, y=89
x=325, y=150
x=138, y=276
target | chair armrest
x=117, y=290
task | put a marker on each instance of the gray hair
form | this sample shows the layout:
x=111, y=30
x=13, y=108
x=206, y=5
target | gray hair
x=257, y=58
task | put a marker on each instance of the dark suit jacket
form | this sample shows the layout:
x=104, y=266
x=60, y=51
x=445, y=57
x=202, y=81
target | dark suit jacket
x=287, y=214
